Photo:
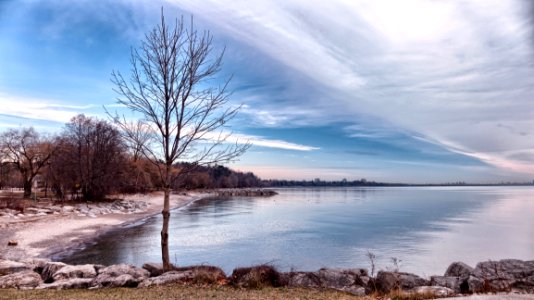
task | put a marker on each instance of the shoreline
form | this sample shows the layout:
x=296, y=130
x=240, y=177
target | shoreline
x=56, y=236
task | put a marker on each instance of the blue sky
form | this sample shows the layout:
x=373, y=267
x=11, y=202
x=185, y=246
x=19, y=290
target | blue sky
x=404, y=91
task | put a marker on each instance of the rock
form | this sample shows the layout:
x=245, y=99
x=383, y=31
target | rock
x=458, y=269
x=20, y=280
x=503, y=276
x=12, y=243
x=9, y=267
x=75, y=283
x=155, y=269
x=168, y=277
x=432, y=291
x=354, y=281
x=67, y=209
x=475, y=285
x=124, y=280
x=355, y=290
x=388, y=281
x=204, y=275
x=256, y=277
x=121, y=275
x=450, y=282
x=37, y=264
x=79, y=271
x=49, y=270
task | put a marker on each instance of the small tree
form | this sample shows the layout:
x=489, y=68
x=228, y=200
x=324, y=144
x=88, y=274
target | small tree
x=171, y=88
x=27, y=151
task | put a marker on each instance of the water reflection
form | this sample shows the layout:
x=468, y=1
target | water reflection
x=427, y=228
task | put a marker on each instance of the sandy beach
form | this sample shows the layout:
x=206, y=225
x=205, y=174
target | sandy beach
x=48, y=235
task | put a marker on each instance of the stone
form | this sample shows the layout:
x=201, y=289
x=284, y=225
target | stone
x=121, y=275
x=389, y=281
x=79, y=271
x=168, y=277
x=75, y=283
x=503, y=276
x=354, y=281
x=458, y=269
x=49, y=270
x=354, y=290
x=475, y=285
x=67, y=209
x=37, y=264
x=10, y=267
x=450, y=282
x=433, y=291
x=124, y=280
x=256, y=277
x=204, y=274
x=12, y=243
x=155, y=269
x=20, y=280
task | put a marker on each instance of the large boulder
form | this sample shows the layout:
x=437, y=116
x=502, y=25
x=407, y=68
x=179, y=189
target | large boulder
x=75, y=283
x=458, y=269
x=50, y=269
x=20, y=280
x=503, y=275
x=166, y=278
x=256, y=277
x=389, y=281
x=37, y=264
x=120, y=276
x=204, y=274
x=432, y=292
x=451, y=282
x=155, y=269
x=354, y=281
x=79, y=271
x=9, y=267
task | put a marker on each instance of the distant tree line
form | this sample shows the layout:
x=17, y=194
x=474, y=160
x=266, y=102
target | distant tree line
x=322, y=183
x=90, y=159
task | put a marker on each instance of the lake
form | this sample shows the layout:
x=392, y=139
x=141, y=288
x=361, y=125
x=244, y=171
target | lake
x=424, y=228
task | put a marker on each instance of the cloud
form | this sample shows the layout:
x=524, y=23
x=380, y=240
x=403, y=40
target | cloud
x=459, y=73
x=259, y=141
x=44, y=109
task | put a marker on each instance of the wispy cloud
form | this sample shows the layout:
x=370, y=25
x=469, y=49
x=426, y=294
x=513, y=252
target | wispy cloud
x=44, y=109
x=457, y=72
x=270, y=143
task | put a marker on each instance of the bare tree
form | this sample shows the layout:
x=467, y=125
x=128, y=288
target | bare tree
x=171, y=88
x=90, y=158
x=27, y=151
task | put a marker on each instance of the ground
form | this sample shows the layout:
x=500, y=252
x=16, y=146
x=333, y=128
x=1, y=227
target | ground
x=41, y=236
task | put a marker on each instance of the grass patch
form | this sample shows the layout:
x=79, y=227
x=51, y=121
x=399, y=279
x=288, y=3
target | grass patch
x=177, y=291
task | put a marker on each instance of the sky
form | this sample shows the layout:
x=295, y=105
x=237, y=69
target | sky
x=415, y=91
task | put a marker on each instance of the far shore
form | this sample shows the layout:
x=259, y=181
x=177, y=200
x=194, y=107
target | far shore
x=50, y=235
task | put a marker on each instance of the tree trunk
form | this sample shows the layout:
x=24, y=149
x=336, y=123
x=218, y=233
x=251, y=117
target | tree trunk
x=27, y=188
x=165, y=230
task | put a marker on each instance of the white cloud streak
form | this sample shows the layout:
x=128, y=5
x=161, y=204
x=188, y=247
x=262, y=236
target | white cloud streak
x=458, y=72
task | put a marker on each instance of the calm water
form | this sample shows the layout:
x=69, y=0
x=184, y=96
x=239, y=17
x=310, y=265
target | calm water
x=309, y=228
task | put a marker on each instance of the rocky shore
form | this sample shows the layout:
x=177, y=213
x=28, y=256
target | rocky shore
x=91, y=210
x=504, y=276
x=245, y=192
